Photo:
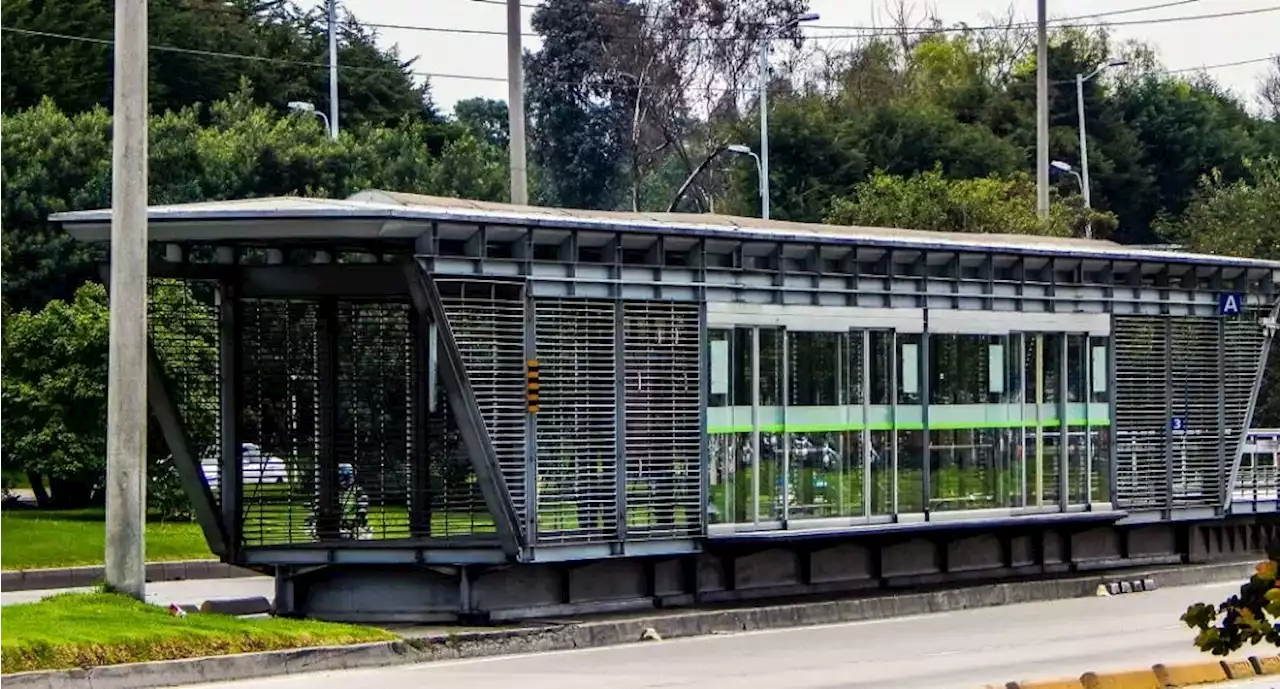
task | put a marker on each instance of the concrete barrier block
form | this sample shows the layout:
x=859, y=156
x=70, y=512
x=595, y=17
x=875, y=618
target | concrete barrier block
x=1238, y=669
x=1126, y=587
x=237, y=606
x=1266, y=665
x=1149, y=584
x=1190, y=674
x=1136, y=679
x=1073, y=683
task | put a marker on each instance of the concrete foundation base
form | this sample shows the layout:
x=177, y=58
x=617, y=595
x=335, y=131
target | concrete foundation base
x=738, y=571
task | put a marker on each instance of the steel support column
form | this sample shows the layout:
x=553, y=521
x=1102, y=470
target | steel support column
x=471, y=426
x=194, y=481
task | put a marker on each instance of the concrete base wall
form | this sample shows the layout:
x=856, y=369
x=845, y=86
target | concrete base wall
x=739, y=571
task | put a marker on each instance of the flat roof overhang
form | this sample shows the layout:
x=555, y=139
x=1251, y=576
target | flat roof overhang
x=381, y=216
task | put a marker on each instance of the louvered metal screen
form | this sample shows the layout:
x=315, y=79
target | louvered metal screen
x=1242, y=351
x=185, y=333
x=457, y=505
x=1198, y=371
x=577, y=425
x=488, y=324
x=377, y=372
x=279, y=390
x=1197, y=469
x=1141, y=412
x=663, y=428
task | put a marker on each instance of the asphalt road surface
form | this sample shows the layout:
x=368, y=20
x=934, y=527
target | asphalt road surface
x=971, y=648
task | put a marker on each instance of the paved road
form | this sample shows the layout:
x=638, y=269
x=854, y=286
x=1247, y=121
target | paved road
x=971, y=648
x=181, y=592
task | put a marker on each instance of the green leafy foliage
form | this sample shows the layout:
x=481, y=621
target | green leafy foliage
x=932, y=201
x=1250, y=617
x=378, y=87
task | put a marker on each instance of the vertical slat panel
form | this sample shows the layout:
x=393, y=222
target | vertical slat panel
x=577, y=448
x=663, y=451
x=1197, y=475
x=1140, y=412
x=487, y=319
x=1242, y=348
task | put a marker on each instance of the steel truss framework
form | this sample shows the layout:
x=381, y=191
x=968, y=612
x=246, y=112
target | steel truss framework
x=404, y=357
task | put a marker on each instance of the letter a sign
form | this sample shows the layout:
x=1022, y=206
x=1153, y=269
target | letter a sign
x=1230, y=304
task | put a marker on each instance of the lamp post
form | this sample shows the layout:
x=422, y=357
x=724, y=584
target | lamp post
x=1084, y=192
x=1084, y=144
x=310, y=109
x=762, y=179
x=764, y=104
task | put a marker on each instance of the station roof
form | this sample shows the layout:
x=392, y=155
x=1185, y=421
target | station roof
x=374, y=214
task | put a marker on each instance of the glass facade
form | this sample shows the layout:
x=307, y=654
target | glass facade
x=871, y=423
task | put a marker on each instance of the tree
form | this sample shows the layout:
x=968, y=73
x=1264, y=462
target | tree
x=486, y=118
x=286, y=48
x=54, y=390
x=931, y=201
x=234, y=148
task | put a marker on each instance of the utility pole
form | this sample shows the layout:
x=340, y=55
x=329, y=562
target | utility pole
x=1042, y=111
x=764, y=127
x=515, y=106
x=127, y=358
x=333, y=69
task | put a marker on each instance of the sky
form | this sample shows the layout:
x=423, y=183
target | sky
x=1180, y=45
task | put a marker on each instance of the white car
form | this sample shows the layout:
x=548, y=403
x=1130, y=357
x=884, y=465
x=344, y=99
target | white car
x=256, y=467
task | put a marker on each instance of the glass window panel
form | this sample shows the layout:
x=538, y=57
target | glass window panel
x=964, y=475
x=1077, y=465
x=816, y=475
x=911, y=467
x=770, y=367
x=1077, y=367
x=1100, y=462
x=720, y=359
x=1042, y=370
x=881, y=472
x=1043, y=463
x=771, y=497
x=731, y=498
x=1100, y=372
x=960, y=369
x=909, y=368
x=854, y=368
x=816, y=367
x=881, y=372
x=743, y=382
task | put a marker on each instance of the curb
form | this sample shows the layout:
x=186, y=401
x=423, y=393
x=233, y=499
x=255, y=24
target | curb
x=575, y=635
x=1165, y=676
x=72, y=577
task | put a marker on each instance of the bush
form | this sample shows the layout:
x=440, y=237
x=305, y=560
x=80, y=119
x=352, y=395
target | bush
x=1250, y=617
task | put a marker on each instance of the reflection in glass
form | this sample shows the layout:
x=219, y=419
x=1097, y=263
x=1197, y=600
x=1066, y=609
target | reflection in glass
x=770, y=367
x=911, y=464
x=1077, y=466
x=771, y=498
x=1077, y=367
x=816, y=477
x=1100, y=461
x=881, y=372
x=731, y=498
x=817, y=367
x=881, y=472
x=742, y=375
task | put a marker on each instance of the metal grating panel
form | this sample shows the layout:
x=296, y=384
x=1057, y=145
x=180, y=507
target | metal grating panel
x=1197, y=471
x=577, y=425
x=457, y=504
x=1141, y=413
x=663, y=430
x=1242, y=350
x=488, y=323
x=185, y=334
x=279, y=391
x=375, y=423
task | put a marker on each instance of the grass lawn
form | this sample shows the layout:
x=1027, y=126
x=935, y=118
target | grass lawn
x=89, y=629
x=64, y=538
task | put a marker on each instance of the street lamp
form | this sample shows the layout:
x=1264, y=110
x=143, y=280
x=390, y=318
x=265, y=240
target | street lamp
x=764, y=104
x=1084, y=144
x=1084, y=191
x=762, y=181
x=310, y=108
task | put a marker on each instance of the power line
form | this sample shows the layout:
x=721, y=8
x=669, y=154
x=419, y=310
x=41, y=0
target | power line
x=469, y=77
x=608, y=12
x=874, y=32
